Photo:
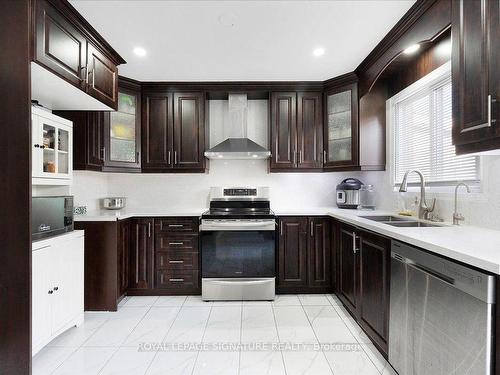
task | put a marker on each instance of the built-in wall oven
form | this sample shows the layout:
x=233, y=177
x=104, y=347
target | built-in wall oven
x=238, y=245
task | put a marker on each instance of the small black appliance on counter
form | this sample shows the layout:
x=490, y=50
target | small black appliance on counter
x=51, y=216
x=348, y=193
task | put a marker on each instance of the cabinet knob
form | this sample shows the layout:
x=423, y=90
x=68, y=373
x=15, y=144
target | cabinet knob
x=51, y=291
x=56, y=288
x=36, y=145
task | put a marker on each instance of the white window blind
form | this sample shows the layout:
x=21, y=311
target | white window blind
x=422, y=129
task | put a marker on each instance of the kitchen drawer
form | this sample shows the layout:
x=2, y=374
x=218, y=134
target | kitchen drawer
x=174, y=224
x=176, y=242
x=176, y=279
x=177, y=260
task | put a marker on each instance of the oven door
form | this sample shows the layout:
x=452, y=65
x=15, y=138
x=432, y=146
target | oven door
x=237, y=249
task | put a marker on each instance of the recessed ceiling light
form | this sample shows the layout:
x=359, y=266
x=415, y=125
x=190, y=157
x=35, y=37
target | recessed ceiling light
x=411, y=49
x=227, y=19
x=320, y=51
x=139, y=51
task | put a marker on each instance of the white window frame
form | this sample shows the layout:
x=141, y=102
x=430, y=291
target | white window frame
x=391, y=134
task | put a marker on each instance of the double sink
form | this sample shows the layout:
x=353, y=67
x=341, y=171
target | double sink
x=401, y=222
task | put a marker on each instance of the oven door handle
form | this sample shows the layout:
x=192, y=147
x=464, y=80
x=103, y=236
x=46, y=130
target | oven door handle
x=268, y=226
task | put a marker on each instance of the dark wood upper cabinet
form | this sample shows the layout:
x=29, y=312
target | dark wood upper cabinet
x=283, y=130
x=319, y=252
x=123, y=132
x=157, y=131
x=102, y=77
x=475, y=75
x=108, y=141
x=189, y=130
x=60, y=46
x=292, y=252
x=296, y=131
x=309, y=130
x=141, y=254
x=89, y=147
x=173, y=132
x=341, y=141
x=95, y=146
x=66, y=44
x=374, y=258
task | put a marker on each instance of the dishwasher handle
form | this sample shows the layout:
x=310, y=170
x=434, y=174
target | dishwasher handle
x=472, y=281
x=424, y=269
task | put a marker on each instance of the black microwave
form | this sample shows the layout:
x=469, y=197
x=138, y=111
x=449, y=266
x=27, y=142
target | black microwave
x=51, y=216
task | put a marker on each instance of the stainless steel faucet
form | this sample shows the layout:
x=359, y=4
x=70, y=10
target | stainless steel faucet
x=423, y=210
x=458, y=217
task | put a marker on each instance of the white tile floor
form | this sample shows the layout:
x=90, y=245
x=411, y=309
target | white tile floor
x=288, y=330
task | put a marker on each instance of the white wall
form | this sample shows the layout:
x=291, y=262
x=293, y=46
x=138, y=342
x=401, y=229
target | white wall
x=288, y=190
x=480, y=208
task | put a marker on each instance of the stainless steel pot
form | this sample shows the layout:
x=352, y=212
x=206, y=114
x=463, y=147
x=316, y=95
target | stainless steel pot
x=114, y=203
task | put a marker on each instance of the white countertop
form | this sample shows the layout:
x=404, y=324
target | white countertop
x=36, y=245
x=113, y=215
x=478, y=247
x=475, y=246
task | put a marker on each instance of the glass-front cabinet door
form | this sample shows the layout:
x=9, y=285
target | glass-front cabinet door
x=123, y=134
x=341, y=128
x=52, y=153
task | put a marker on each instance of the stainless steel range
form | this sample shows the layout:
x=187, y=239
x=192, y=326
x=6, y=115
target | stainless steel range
x=238, y=245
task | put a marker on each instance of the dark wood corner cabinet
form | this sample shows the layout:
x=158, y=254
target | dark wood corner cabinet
x=106, y=263
x=66, y=44
x=109, y=141
x=164, y=256
x=173, y=132
x=296, y=131
x=475, y=75
x=363, y=261
x=304, y=255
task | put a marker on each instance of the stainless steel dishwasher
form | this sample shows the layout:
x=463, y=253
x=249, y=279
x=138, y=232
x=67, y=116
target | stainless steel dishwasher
x=441, y=315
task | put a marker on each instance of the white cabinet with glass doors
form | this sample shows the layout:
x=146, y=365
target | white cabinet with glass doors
x=52, y=153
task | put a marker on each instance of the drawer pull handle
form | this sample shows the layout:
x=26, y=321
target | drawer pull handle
x=175, y=261
x=176, y=243
x=175, y=225
x=176, y=280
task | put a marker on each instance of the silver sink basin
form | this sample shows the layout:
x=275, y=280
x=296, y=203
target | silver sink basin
x=386, y=218
x=413, y=224
x=400, y=222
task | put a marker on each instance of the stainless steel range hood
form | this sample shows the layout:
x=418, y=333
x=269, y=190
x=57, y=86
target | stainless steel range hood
x=236, y=144
x=237, y=148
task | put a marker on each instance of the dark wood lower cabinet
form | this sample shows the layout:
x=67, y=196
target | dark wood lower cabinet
x=348, y=268
x=374, y=263
x=292, y=253
x=141, y=254
x=363, y=280
x=106, y=246
x=123, y=255
x=164, y=256
x=319, y=253
x=304, y=251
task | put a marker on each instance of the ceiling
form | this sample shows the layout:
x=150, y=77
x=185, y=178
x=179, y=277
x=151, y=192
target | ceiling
x=242, y=40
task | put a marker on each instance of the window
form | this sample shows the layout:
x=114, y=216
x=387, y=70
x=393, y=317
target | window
x=421, y=122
